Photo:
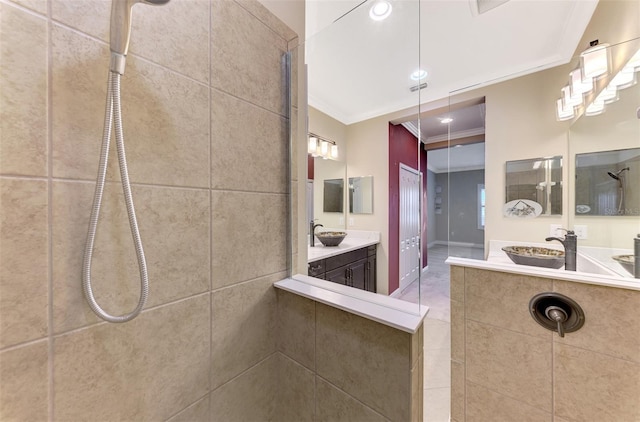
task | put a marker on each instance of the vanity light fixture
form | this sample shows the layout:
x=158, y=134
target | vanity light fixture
x=595, y=108
x=625, y=78
x=594, y=61
x=313, y=145
x=322, y=147
x=608, y=95
x=564, y=112
x=418, y=75
x=380, y=10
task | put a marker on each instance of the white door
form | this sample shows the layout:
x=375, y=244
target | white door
x=409, y=259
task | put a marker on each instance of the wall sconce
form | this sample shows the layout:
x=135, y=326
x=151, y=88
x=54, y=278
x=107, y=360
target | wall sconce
x=594, y=64
x=322, y=147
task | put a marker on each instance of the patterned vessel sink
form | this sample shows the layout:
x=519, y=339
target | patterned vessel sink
x=535, y=256
x=331, y=238
x=626, y=261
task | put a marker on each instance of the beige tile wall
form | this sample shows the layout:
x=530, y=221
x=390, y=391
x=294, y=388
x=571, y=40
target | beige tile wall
x=206, y=133
x=507, y=367
x=358, y=369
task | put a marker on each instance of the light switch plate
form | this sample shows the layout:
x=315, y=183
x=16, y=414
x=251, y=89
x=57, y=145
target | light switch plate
x=556, y=230
x=581, y=231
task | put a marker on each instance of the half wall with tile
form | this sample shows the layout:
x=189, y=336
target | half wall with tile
x=504, y=366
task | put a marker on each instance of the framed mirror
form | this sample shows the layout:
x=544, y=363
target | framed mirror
x=606, y=183
x=533, y=187
x=361, y=195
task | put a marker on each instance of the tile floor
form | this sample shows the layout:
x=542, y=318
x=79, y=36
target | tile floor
x=433, y=291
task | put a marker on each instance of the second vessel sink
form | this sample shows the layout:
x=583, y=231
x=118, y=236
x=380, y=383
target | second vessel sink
x=535, y=256
x=331, y=238
x=626, y=261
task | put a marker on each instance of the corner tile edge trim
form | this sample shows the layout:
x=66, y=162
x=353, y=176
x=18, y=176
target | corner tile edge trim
x=382, y=309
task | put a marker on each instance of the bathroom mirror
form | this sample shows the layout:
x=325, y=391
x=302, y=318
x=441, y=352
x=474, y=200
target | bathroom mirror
x=333, y=195
x=361, y=195
x=533, y=187
x=609, y=139
x=607, y=183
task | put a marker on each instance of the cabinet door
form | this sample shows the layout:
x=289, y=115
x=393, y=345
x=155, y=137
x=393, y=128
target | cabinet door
x=339, y=275
x=316, y=269
x=370, y=275
x=358, y=274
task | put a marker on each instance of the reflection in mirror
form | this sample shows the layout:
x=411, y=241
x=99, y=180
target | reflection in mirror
x=535, y=185
x=606, y=182
x=615, y=129
x=332, y=200
x=361, y=195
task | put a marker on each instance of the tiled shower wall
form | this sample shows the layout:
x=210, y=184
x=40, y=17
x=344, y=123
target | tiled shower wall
x=205, y=124
x=504, y=366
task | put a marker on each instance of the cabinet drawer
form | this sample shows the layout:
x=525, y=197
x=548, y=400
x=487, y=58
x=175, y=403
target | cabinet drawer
x=344, y=259
x=316, y=268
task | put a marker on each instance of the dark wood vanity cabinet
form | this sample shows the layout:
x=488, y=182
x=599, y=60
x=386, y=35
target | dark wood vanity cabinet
x=355, y=269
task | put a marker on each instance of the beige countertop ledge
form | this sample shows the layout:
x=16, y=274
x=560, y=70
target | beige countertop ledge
x=401, y=315
x=580, y=277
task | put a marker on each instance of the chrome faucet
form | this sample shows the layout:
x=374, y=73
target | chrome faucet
x=570, y=243
x=312, y=231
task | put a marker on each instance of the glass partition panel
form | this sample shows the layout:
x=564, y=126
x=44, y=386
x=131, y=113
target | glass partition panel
x=359, y=73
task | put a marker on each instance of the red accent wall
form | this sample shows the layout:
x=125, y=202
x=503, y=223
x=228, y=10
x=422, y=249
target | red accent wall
x=402, y=149
x=310, y=167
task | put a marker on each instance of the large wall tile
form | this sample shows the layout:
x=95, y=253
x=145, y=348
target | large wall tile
x=249, y=397
x=514, y=364
x=502, y=300
x=147, y=369
x=249, y=236
x=243, y=324
x=297, y=328
x=457, y=391
x=369, y=360
x=268, y=18
x=24, y=278
x=259, y=156
x=296, y=391
x=417, y=389
x=457, y=331
x=39, y=6
x=23, y=92
x=25, y=382
x=180, y=27
x=197, y=412
x=612, y=319
x=246, y=57
x=485, y=405
x=165, y=117
x=174, y=227
x=594, y=387
x=334, y=405
x=457, y=283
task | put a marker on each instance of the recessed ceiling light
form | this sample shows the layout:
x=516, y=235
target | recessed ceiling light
x=419, y=74
x=380, y=10
x=446, y=120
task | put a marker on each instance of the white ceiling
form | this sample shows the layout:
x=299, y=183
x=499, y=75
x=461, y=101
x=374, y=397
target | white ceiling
x=459, y=158
x=359, y=68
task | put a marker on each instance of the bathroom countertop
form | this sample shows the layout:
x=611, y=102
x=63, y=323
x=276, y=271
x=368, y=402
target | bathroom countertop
x=401, y=315
x=355, y=239
x=497, y=262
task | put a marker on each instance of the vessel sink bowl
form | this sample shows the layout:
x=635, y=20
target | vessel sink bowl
x=535, y=256
x=626, y=261
x=331, y=238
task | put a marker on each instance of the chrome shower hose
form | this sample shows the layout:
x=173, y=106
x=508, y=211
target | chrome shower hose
x=113, y=115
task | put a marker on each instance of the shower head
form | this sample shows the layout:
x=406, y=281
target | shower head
x=617, y=175
x=121, y=30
